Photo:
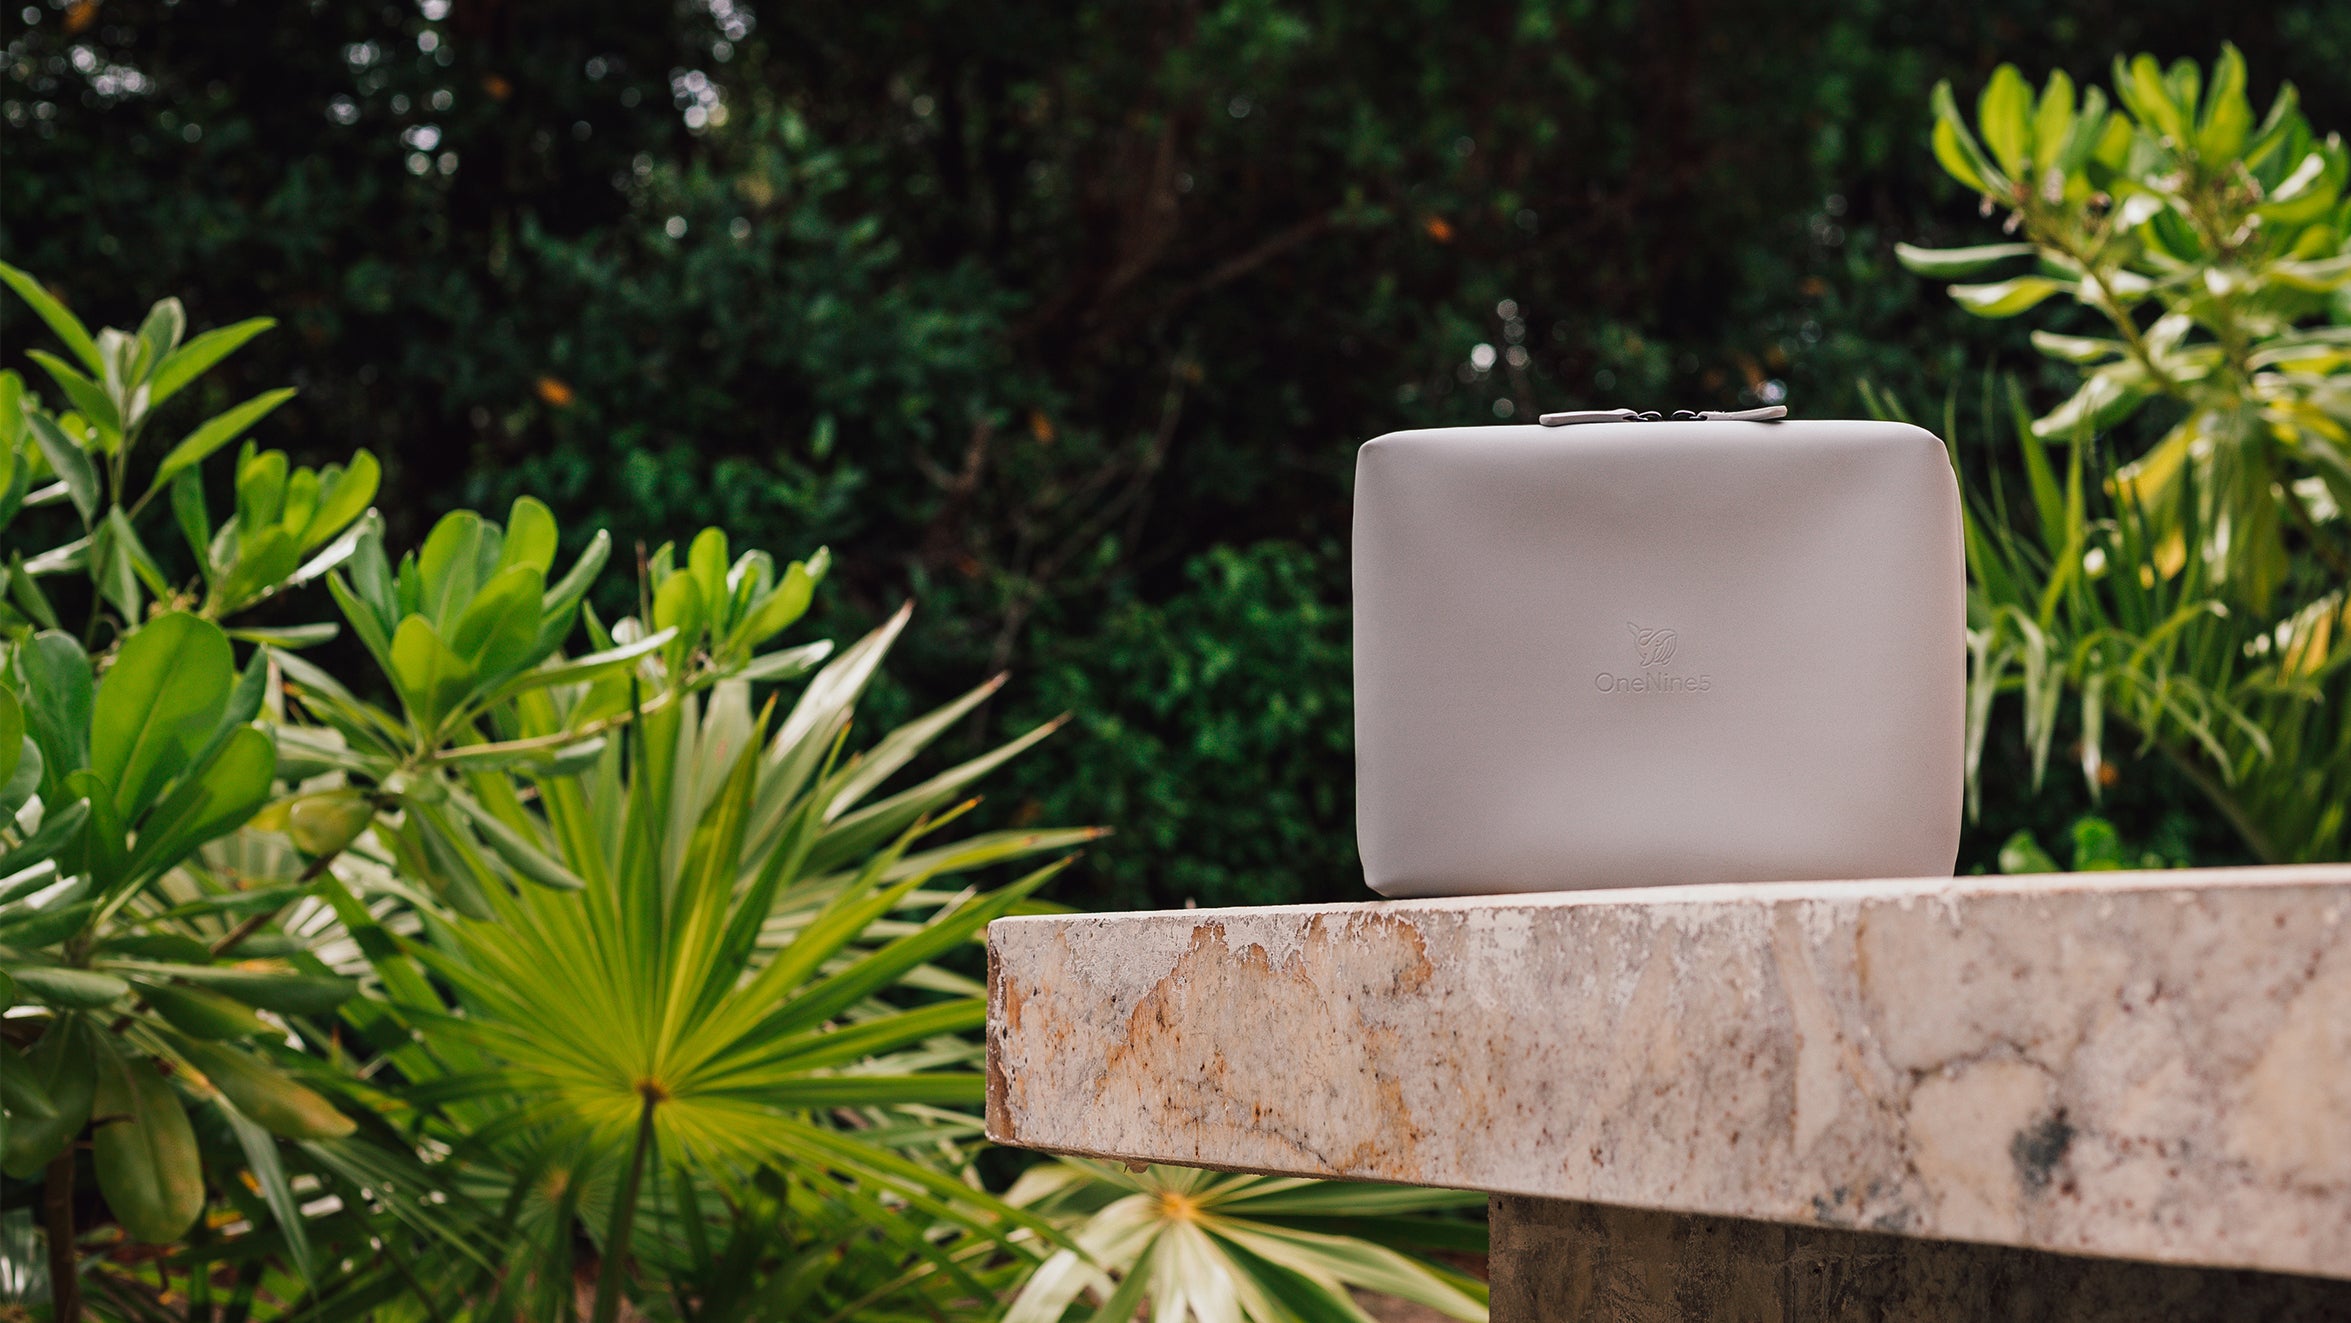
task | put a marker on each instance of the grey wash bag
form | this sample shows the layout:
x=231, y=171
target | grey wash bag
x=1624, y=653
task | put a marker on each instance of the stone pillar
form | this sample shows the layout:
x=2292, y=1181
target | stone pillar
x=1557, y=1261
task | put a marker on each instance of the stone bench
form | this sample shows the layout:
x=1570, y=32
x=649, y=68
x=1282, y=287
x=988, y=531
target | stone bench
x=2084, y=1096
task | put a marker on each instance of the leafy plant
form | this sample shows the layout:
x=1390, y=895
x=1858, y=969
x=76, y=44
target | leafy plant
x=126, y=748
x=2209, y=243
x=728, y=971
x=550, y=886
x=2194, y=593
x=1220, y=1248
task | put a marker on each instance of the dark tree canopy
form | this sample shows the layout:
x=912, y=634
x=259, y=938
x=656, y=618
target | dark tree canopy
x=1064, y=320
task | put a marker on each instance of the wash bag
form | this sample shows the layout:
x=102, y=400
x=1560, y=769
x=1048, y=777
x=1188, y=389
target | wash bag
x=1618, y=650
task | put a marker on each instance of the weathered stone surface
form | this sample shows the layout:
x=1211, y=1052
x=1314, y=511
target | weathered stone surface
x=1557, y=1262
x=2153, y=1066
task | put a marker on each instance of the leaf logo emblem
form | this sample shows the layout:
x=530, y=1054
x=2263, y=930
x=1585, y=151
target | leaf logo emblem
x=1656, y=645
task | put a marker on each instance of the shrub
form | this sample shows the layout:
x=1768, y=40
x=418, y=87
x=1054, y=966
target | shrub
x=2195, y=593
x=488, y=976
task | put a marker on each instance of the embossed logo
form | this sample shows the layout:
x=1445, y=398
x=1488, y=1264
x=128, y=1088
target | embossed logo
x=1654, y=648
x=1656, y=645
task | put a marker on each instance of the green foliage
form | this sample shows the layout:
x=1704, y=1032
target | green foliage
x=713, y=985
x=1190, y=1244
x=1025, y=309
x=1218, y=727
x=547, y=965
x=2196, y=594
x=2096, y=847
x=116, y=781
x=2218, y=250
x=2249, y=707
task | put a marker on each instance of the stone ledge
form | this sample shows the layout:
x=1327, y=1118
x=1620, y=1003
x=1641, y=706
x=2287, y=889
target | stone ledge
x=2153, y=1066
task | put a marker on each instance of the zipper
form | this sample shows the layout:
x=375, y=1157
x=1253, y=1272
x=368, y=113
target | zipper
x=1769, y=413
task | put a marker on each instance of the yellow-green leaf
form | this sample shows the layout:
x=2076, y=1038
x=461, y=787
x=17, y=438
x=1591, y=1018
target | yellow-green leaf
x=2003, y=112
x=267, y=1095
x=2008, y=297
x=204, y=1014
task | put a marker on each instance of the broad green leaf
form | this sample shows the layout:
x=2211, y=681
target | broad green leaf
x=325, y=822
x=495, y=634
x=706, y=561
x=157, y=705
x=105, y=842
x=261, y=488
x=112, y=567
x=2150, y=96
x=776, y=612
x=264, y=560
x=224, y=791
x=23, y=782
x=148, y=1169
x=451, y=567
x=678, y=605
x=25, y=591
x=57, y=674
x=123, y=541
x=530, y=536
x=432, y=678
x=67, y=327
x=573, y=586
x=344, y=496
x=192, y=359
x=22, y=1096
x=195, y=522
x=64, y=1066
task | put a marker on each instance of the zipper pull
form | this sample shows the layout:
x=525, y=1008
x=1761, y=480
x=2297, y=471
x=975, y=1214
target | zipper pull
x=1589, y=416
x=1766, y=414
